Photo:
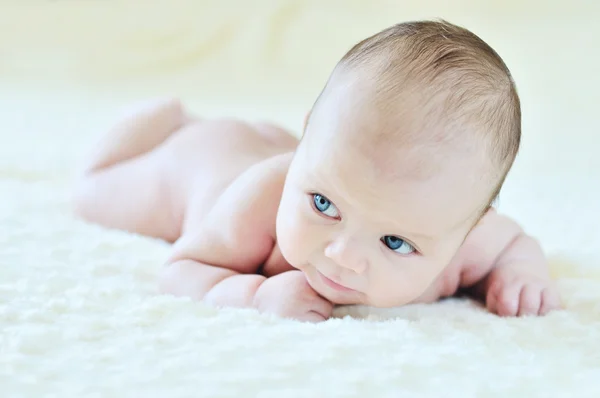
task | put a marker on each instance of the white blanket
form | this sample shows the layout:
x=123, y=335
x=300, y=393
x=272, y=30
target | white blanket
x=79, y=314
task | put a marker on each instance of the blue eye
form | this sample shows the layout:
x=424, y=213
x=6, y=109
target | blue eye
x=324, y=205
x=398, y=245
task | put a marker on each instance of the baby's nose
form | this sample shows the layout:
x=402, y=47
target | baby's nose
x=347, y=254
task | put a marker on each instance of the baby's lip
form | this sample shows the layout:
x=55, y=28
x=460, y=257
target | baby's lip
x=333, y=284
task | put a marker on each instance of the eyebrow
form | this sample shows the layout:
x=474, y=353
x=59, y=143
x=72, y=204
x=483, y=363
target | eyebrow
x=428, y=237
x=416, y=238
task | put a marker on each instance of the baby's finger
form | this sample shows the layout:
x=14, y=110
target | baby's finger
x=550, y=301
x=313, y=317
x=322, y=307
x=491, y=298
x=507, y=300
x=530, y=300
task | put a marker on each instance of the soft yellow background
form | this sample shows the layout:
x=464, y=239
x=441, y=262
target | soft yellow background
x=78, y=310
x=270, y=58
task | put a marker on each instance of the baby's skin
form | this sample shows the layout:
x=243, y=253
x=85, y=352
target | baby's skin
x=260, y=220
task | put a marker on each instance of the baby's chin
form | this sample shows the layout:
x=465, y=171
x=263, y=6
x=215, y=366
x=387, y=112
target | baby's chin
x=330, y=290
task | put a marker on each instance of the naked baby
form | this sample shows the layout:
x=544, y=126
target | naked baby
x=386, y=200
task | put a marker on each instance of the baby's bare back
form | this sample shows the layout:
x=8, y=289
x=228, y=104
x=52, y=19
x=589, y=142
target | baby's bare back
x=159, y=172
x=206, y=157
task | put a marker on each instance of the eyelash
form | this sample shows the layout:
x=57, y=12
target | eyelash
x=415, y=252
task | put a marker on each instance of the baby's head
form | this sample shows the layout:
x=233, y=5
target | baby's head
x=403, y=152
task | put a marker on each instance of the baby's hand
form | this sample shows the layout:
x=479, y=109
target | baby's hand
x=513, y=291
x=289, y=295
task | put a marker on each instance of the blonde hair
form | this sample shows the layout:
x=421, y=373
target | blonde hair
x=470, y=83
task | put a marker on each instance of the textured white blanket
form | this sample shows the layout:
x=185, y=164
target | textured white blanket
x=79, y=316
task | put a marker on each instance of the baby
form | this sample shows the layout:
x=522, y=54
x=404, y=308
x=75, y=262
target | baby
x=386, y=199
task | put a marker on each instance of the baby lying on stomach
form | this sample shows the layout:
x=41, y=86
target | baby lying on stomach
x=386, y=199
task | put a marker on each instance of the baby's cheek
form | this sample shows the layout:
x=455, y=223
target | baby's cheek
x=291, y=238
x=399, y=286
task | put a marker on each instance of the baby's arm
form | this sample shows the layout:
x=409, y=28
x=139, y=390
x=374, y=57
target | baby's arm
x=218, y=261
x=504, y=266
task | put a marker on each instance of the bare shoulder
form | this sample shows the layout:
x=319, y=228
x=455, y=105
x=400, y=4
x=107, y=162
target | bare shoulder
x=493, y=229
x=239, y=231
x=479, y=252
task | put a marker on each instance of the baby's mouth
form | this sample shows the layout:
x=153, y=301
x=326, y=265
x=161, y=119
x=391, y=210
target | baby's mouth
x=333, y=284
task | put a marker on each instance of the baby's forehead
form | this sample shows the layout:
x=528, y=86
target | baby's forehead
x=384, y=146
x=406, y=130
x=425, y=181
x=359, y=110
x=399, y=138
